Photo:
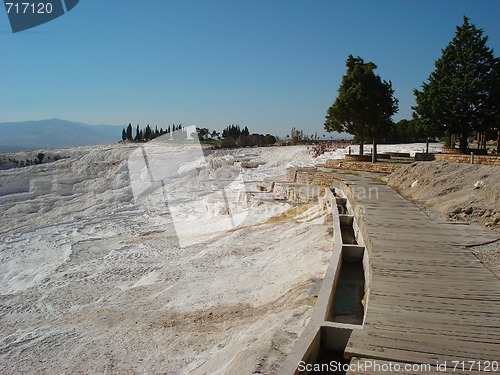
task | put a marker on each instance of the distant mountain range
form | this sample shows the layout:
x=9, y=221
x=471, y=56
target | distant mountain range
x=27, y=135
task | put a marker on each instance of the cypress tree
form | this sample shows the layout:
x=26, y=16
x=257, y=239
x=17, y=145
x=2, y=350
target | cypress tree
x=137, y=133
x=459, y=96
x=147, y=133
x=129, y=132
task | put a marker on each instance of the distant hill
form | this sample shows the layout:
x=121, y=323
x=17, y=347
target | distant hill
x=27, y=135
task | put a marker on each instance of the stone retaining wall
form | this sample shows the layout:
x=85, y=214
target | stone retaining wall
x=305, y=184
x=421, y=156
x=363, y=166
x=457, y=151
x=314, y=177
x=478, y=159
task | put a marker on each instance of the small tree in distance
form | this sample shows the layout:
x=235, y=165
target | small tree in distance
x=129, y=132
x=39, y=158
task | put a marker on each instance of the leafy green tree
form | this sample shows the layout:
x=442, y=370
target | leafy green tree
x=270, y=139
x=405, y=131
x=232, y=131
x=364, y=106
x=458, y=97
x=39, y=158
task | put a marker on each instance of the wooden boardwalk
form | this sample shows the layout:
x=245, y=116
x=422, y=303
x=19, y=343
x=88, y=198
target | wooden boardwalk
x=430, y=300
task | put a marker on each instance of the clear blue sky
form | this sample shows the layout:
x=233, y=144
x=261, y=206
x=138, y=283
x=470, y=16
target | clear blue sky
x=265, y=64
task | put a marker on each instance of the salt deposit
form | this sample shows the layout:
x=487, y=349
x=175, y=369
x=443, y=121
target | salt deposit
x=95, y=280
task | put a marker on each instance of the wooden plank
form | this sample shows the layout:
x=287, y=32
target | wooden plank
x=368, y=366
x=430, y=297
x=412, y=354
